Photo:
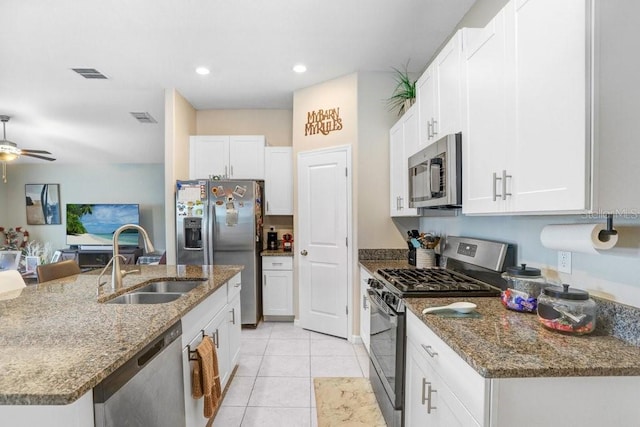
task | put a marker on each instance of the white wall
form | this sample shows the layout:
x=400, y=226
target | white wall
x=96, y=183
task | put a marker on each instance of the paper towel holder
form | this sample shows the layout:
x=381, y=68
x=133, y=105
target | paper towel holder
x=605, y=235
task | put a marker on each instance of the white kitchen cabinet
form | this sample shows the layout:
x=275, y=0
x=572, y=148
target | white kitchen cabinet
x=403, y=142
x=227, y=156
x=277, y=286
x=235, y=330
x=525, y=139
x=484, y=140
x=438, y=93
x=365, y=309
x=441, y=389
x=218, y=316
x=278, y=180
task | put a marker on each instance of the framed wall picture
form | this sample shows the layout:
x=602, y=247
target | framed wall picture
x=31, y=262
x=43, y=203
x=9, y=260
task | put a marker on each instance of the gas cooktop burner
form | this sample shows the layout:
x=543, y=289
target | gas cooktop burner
x=435, y=282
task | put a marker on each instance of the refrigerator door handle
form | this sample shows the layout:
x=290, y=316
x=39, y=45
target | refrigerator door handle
x=211, y=220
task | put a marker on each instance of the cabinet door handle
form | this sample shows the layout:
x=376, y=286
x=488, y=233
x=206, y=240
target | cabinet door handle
x=401, y=198
x=430, y=390
x=433, y=126
x=226, y=169
x=216, y=339
x=429, y=134
x=429, y=350
x=233, y=315
x=504, y=185
x=496, y=178
x=231, y=171
x=264, y=280
x=364, y=302
x=424, y=390
x=267, y=206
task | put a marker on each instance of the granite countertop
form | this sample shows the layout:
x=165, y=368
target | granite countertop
x=276, y=252
x=506, y=344
x=57, y=341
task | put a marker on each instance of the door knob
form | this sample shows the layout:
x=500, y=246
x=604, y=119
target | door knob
x=303, y=252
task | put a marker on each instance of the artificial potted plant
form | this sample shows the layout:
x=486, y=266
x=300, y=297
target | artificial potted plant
x=404, y=94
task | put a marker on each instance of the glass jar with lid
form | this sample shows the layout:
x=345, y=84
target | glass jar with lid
x=567, y=310
x=524, y=284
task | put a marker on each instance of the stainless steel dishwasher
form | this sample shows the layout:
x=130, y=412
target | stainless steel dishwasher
x=146, y=391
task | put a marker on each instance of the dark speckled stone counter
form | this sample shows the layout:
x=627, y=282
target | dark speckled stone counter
x=57, y=341
x=276, y=252
x=373, y=265
x=507, y=344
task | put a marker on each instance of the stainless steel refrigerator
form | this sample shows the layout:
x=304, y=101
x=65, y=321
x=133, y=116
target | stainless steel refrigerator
x=220, y=223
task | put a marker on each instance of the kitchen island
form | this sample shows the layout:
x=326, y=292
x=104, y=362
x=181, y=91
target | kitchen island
x=57, y=341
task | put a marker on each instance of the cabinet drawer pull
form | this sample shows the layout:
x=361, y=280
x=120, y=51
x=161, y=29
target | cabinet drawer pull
x=429, y=350
x=276, y=263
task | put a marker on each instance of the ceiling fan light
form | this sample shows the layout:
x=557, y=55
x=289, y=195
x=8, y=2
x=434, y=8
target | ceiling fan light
x=9, y=153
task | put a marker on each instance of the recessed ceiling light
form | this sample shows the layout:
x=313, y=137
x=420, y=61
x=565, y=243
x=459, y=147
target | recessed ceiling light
x=300, y=68
x=203, y=71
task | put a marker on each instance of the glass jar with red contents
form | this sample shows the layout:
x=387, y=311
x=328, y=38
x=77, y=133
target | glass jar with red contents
x=567, y=310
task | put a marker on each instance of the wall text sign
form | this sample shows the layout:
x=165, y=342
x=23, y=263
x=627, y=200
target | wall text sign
x=323, y=121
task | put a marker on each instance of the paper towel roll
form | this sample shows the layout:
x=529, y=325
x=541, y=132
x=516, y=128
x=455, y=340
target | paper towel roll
x=576, y=238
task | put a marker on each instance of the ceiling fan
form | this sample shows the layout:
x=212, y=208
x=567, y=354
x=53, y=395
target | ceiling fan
x=9, y=151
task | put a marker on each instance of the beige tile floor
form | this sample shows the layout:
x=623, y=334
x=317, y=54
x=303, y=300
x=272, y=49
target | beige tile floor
x=273, y=385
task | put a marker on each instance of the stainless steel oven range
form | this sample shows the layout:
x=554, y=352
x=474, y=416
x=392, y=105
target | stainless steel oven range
x=472, y=269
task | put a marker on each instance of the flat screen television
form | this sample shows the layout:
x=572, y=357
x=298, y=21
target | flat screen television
x=94, y=225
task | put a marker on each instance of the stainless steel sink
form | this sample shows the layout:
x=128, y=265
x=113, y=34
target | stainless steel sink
x=171, y=286
x=145, y=298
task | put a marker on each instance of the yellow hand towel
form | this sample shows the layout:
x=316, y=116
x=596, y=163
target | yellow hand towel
x=209, y=374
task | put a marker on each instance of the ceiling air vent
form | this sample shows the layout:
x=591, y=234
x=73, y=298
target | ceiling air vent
x=144, y=117
x=90, y=73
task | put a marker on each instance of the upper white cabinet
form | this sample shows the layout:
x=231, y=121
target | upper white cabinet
x=525, y=141
x=438, y=94
x=403, y=142
x=230, y=157
x=278, y=180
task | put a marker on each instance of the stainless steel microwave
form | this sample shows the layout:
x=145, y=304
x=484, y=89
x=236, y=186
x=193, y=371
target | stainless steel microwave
x=435, y=174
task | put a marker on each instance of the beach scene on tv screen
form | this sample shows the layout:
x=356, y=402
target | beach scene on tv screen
x=95, y=224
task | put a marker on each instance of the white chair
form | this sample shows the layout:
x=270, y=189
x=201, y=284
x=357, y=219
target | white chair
x=11, y=284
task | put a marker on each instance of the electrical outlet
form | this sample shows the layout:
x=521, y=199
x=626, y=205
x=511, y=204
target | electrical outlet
x=564, y=262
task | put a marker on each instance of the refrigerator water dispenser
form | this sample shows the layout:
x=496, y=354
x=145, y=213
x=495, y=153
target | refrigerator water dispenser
x=193, y=233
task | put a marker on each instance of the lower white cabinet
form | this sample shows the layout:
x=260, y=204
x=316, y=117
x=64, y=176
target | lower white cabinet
x=218, y=316
x=441, y=389
x=429, y=398
x=277, y=286
x=365, y=309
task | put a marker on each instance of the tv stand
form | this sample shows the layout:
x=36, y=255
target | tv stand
x=87, y=259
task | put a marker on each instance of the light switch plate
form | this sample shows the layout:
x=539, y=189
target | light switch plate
x=564, y=262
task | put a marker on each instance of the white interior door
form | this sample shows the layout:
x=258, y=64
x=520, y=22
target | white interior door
x=323, y=211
